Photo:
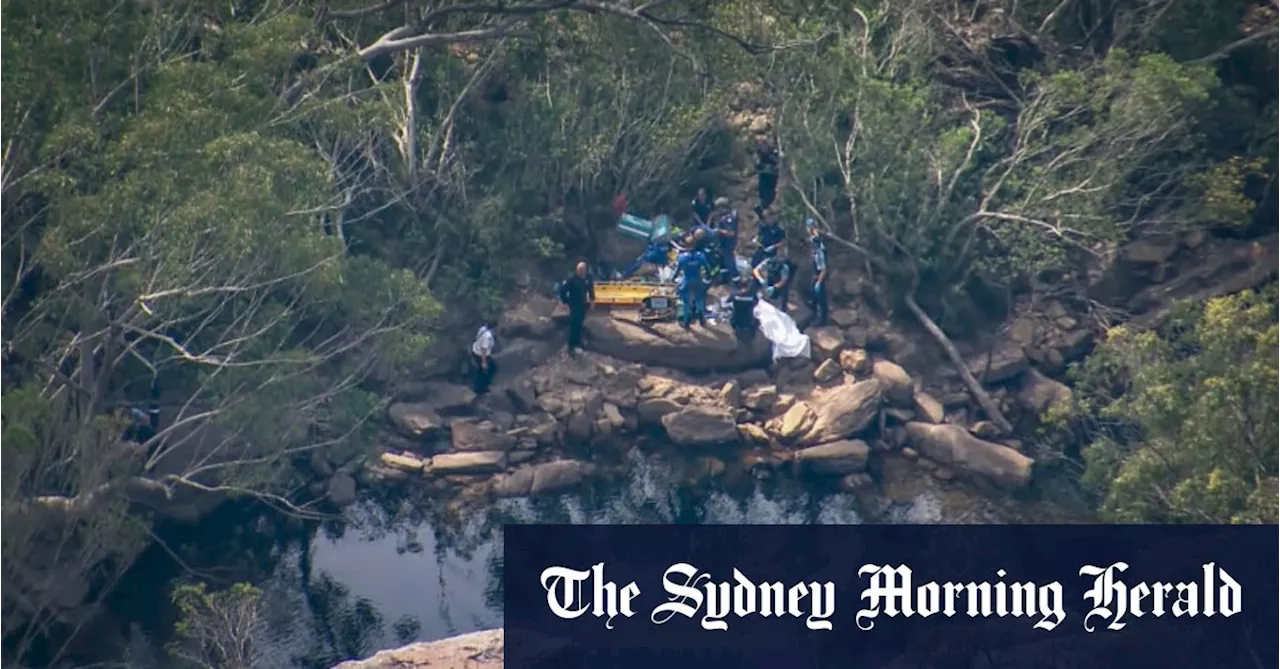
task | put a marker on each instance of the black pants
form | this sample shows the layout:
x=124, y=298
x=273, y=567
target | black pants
x=482, y=376
x=767, y=183
x=577, y=316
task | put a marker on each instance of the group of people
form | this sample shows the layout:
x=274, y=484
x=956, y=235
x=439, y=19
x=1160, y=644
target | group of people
x=708, y=255
x=705, y=255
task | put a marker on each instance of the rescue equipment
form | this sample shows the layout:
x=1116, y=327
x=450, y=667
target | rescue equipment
x=654, y=301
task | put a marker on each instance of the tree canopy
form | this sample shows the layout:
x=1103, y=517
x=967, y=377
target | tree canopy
x=258, y=216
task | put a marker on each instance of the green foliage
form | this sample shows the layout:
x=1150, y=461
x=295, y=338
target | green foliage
x=1188, y=416
x=217, y=630
x=1221, y=200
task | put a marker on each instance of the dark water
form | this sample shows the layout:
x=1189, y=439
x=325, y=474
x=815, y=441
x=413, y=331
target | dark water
x=399, y=568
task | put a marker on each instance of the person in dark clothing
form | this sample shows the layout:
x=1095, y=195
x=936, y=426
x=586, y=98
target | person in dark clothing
x=702, y=208
x=690, y=267
x=743, y=303
x=770, y=237
x=579, y=293
x=482, y=360
x=775, y=275
x=143, y=425
x=818, y=251
x=726, y=228
x=767, y=163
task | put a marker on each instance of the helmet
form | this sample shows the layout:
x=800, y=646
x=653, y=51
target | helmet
x=722, y=201
x=810, y=224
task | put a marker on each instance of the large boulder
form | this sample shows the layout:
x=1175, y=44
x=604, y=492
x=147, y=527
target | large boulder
x=699, y=349
x=761, y=399
x=897, y=383
x=795, y=422
x=448, y=399
x=1038, y=393
x=827, y=342
x=844, y=411
x=846, y=456
x=415, y=419
x=953, y=446
x=701, y=426
x=855, y=361
x=531, y=318
x=928, y=409
x=478, y=462
x=518, y=355
x=1003, y=362
x=542, y=478
x=472, y=436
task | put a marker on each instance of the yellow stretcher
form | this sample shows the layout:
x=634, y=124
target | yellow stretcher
x=654, y=301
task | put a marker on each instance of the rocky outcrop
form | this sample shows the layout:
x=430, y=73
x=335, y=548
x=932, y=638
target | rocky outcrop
x=847, y=456
x=1003, y=362
x=928, y=409
x=546, y=477
x=844, y=411
x=701, y=426
x=415, y=419
x=698, y=349
x=470, y=435
x=954, y=447
x=478, y=462
x=478, y=650
x=1038, y=393
x=896, y=382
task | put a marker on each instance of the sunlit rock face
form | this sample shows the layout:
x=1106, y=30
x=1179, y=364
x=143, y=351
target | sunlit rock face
x=476, y=650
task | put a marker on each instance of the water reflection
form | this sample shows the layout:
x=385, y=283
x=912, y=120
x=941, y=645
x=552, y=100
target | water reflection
x=404, y=568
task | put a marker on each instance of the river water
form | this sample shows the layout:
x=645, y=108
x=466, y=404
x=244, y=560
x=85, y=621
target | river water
x=399, y=568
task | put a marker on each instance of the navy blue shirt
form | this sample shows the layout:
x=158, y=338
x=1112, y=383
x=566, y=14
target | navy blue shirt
x=771, y=234
x=689, y=266
x=701, y=211
x=728, y=222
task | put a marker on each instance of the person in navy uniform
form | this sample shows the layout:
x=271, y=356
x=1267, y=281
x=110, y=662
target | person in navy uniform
x=818, y=252
x=768, y=159
x=743, y=309
x=770, y=237
x=690, y=266
x=702, y=207
x=775, y=273
x=726, y=229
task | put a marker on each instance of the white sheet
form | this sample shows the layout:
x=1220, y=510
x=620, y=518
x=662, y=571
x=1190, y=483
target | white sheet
x=779, y=328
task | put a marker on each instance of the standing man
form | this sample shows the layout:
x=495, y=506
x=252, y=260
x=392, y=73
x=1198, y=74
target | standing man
x=775, y=275
x=743, y=317
x=579, y=292
x=818, y=251
x=767, y=162
x=702, y=207
x=693, y=289
x=769, y=239
x=482, y=358
x=726, y=228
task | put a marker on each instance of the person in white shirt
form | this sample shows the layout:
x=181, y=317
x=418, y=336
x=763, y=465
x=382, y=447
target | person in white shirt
x=482, y=357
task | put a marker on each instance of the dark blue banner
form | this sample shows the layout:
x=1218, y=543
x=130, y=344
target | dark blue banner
x=906, y=597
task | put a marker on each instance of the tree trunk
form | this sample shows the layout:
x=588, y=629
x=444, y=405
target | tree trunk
x=975, y=388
